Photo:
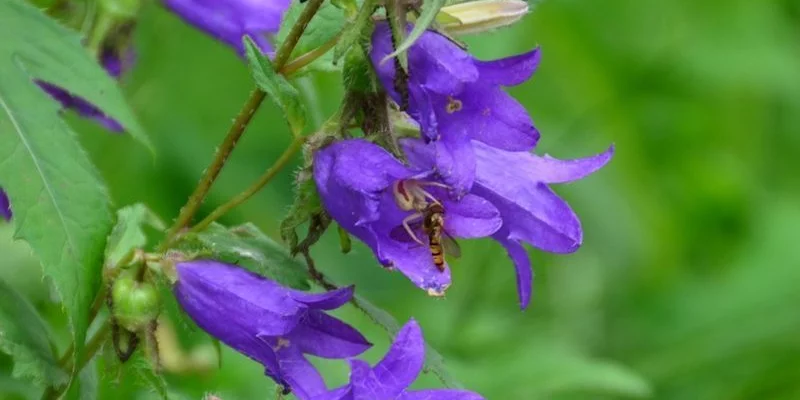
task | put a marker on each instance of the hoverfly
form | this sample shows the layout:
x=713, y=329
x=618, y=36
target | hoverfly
x=428, y=220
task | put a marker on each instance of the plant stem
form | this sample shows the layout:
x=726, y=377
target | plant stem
x=303, y=60
x=92, y=346
x=212, y=172
x=281, y=162
x=237, y=129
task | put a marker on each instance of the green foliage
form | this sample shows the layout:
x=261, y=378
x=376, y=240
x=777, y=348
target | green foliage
x=25, y=337
x=128, y=233
x=277, y=87
x=354, y=31
x=306, y=205
x=38, y=47
x=61, y=207
x=247, y=245
x=324, y=27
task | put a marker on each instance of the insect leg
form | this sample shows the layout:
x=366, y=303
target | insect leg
x=410, y=231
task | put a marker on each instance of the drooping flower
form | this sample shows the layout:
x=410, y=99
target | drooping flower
x=456, y=98
x=390, y=378
x=516, y=183
x=115, y=63
x=5, y=206
x=362, y=186
x=271, y=324
x=229, y=21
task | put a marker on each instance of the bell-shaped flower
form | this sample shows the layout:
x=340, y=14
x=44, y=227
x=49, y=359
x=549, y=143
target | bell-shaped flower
x=456, y=98
x=115, y=63
x=228, y=21
x=269, y=323
x=516, y=183
x=5, y=206
x=390, y=378
x=386, y=204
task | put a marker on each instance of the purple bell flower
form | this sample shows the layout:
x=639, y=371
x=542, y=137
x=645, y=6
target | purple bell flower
x=360, y=185
x=229, y=20
x=5, y=206
x=271, y=324
x=456, y=98
x=510, y=201
x=390, y=378
x=115, y=64
x=517, y=184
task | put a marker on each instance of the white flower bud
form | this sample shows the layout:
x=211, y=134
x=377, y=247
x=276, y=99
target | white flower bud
x=481, y=16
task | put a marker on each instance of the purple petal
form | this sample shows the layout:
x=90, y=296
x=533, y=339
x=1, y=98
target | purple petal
x=230, y=302
x=5, y=206
x=366, y=385
x=510, y=71
x=522, y=266
x=342, y=393
x=403, y=362
x=535, y=168
x=489, y=115
x=360, y=165
x=471, y=217
x=229, y=21
x=532, y=212
x=455, y=162
x=81, y=106
x=433, y=61
x=292, y=368
x=324, y=336
x=440, y=394
x=324, y=301
x=416, y=263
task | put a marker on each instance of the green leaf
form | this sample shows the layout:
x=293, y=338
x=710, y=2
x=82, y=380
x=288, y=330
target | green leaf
x=326, y=24
x=355, y=30
x=148, y=377
x=434, y=362
x=306, y=204
x=89, y=381
x=128, y=233
x=61, y=208
x=430, y=9
x=277, y=87
x=38, y=47
x=24, y=336
x=248, y=246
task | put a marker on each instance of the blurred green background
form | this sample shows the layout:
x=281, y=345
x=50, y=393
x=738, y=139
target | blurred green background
x=686, y=286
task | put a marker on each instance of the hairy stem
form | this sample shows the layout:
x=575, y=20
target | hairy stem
x=237, y=129
x=281, y=162
x=212, y=172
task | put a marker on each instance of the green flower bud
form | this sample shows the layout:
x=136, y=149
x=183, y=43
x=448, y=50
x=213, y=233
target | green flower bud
x=134, y=304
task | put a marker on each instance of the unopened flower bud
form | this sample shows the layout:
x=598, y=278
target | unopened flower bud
x=135, y=304
x=483, y=15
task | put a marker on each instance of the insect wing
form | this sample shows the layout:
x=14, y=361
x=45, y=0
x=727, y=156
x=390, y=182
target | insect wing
x=450, y=245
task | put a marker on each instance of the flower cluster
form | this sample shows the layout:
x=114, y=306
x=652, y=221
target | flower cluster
x=277, y=327
x=471, y=169
x=471, y=173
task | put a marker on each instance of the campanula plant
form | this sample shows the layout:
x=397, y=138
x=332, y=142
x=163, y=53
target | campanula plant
x=426, y=147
